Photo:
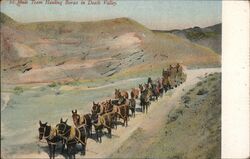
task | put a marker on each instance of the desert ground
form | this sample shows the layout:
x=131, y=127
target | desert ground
x=20, y=136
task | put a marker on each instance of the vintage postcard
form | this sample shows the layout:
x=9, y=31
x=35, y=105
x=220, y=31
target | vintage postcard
x=111, y=79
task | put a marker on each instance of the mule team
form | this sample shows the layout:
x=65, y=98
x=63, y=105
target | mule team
x=106, y=114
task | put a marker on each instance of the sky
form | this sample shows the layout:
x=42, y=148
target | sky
x=154, y=14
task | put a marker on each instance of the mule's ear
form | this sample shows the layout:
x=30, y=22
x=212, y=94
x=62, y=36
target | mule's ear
x=75, y=111
x=66, y=121
x=93, y=103
x=72, y=112
x=61, y=120
x=46, y=123
x=40, y=122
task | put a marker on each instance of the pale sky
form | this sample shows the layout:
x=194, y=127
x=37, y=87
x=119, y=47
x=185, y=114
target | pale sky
x=154, y=14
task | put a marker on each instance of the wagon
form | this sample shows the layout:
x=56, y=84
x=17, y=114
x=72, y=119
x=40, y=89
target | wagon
x=173, y=77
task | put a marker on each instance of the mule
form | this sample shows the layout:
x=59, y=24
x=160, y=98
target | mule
x=132, y=105
x=103, y=121
x=149, y=90
x=102, y=108
x=160, y=87
x=122, y=111
x=49, y=134
x=72, y=136
x=166, y=84
x=135, y=93
x=141, y=87
x=119, y=94
x=155, y=92
x=150, y=82
x=119, y=101
x=145, y=100
x=80, y=120
x=96, y=108
x=108, y=106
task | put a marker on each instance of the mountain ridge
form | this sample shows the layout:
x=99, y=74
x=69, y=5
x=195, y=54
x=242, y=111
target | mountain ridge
x=66, y=51
x=208, y=36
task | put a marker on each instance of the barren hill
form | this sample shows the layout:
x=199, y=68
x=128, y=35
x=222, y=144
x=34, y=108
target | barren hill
x=66, y=51
x=209, y=36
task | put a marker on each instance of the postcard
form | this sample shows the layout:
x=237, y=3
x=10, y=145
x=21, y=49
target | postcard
x=111, y=79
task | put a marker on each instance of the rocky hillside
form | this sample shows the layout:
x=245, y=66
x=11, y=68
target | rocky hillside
x=209, y=37
x=66, y=51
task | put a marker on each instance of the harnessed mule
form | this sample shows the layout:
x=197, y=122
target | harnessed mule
x=107, y=106
x=160, y=87
x=122, y=111
x=155, y=91
x=49, y=134
x=96, y=108
x=72, y=136
x=166, y=84
x=135, y=93
x=144, y=100
x=103, y=121
x=119, y=94
x=132, y=105
x=102, y=108
x=79, y=121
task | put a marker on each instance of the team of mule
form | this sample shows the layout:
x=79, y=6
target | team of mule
x=108, y=114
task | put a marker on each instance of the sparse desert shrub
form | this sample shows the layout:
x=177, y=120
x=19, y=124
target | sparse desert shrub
x=191, y=90
x=186, y=99
x=199, y=83
x=179, y=111
x=202, y=91
x=53, y=84
x=213, y=78
x=73, y=83
x=18, y=90
x=173, y=116
x=57, y=92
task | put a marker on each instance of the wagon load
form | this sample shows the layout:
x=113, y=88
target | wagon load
x=173, y=76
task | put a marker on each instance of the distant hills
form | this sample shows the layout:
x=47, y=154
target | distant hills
x=209, y=36
x=66, y=51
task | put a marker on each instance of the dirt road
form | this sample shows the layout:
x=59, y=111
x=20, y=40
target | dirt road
x=150, y=122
